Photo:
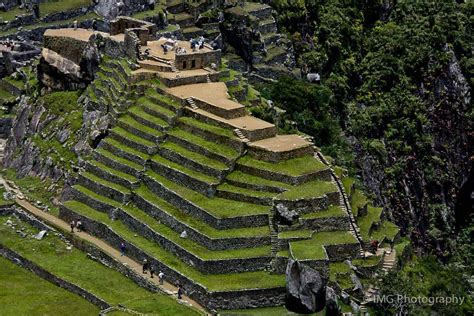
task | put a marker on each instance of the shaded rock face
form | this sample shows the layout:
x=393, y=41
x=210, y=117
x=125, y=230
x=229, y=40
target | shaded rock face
x=57, y=72
x=110, y=9
x=286, y=216
x=421, y=201
x=306, y=289
x=332, y=308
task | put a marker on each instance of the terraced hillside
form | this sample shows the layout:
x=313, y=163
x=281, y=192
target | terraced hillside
x=56, y=260
x=200, y=199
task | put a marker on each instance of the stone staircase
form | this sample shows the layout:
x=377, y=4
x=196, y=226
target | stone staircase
x=241, y=136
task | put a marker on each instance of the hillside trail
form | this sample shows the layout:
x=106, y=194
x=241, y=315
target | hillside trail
x=168, y=288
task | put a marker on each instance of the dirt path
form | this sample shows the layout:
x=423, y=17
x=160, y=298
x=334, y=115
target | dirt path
x=137, y=267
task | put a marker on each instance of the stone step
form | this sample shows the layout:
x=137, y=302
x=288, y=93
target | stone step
x=133, y=126
x=124, y=151
x=111, y=174
x=184, y=176
x=133, y=141
x=116, y=162
x=193, y=160
x=103, y=187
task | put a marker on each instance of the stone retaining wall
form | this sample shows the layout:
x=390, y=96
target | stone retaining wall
x=194, y=210
x=324, y=175
x=308, y=205
x=211, y=300
x=341, y=252
x=227, y=114
x=44, y=274
x=181, y=81
x=272, y=156
x=223, y=243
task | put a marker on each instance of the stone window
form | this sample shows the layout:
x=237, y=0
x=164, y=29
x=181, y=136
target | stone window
x=193, y=63
x=184, y=64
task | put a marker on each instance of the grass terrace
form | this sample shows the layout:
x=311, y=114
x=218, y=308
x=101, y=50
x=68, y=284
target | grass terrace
x=358, y=199
x=242, y=177
x=190, y=172
x=315, y=188
x=194, y=156
x=108, y=284
x=217, y=282
x=340, y=273
x=365, y=222
x=163, y=98
x=35, y=296
x=332, y=211
x=249, y=192
x=208, y=127
x=387, y=230
x=219, y=149
x=219, y=207
x=292, y=167
x=198, y=224
x=312, y=249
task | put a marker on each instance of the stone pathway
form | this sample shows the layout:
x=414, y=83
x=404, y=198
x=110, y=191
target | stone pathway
x=52, y=220
x=3, y=142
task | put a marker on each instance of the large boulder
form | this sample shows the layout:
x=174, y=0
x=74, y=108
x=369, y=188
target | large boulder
x=285, y=215
x=306, y=289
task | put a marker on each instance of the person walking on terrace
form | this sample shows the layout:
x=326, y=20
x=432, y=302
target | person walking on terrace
x=72, y=224
x=161, y=275
x=152, y=271
x=146, y=266
x=122, y=249
x=180, y=292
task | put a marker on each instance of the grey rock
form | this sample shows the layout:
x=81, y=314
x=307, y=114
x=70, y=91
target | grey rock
x=306, y=289
x=357, y=284
x=332, y=307
x=285, y=215
x=41, y=234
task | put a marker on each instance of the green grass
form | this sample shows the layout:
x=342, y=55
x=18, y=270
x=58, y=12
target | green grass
x=158, y=11
x=24, y=293
x=74, y=266
x=215, y=282
x=163, y=98
x=340, y=273
x=208, y=127
x=136, y=139
x=386, y=230
x=358, y=199
x=313, y=248
x=315, y=188
x=97, y=196
x=304, y=233
x=113, y=171
x=105, y=183
x=121, y=160
x=125, y=148
x=366, y=222
x=332, y=211
x=139, y=126
x=6, y=96
x=219, y=207
x=148, y=117
x=347, y=184
x=61, y=6
x=263, y=311
x=34, y=188
x=194, y=156
x=190, y=172
x=147, y=103
x=4, y=202
x=249, y=192
x=292, y=167
x=367, y=262
x=198, y=224
x=243, y=177
x=219, y=149
x=400, y=246
x=193, y=247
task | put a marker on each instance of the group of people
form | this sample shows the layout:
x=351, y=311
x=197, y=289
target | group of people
x=77, y=225
x=147, y=266
x=197, y=43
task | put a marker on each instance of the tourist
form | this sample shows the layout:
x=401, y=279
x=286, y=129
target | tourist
x=73, y=224
x=180, y=292
x=122, y=249
x=75, y=25
x=79, y=226
x=151, y=4
x=375, y=244
x=36, y=10
x=145, y=266
x=161, y=276
x=152, y=271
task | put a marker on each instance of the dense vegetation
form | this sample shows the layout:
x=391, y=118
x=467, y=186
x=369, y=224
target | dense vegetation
x=393, y=105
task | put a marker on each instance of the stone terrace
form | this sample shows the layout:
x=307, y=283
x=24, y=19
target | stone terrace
x=184, y=157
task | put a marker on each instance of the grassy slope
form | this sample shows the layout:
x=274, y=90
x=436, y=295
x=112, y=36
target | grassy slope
x=33, y=295
x=74, y=266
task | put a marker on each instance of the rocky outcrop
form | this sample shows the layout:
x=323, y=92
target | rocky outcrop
x=306, y=289
x=110, y=9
